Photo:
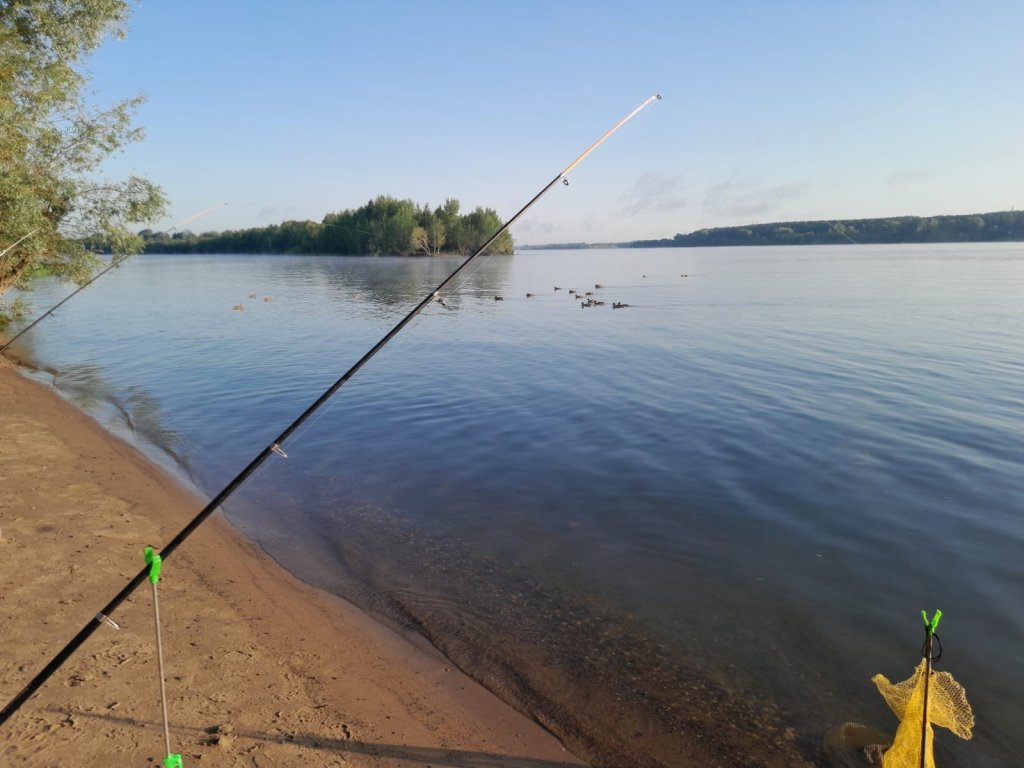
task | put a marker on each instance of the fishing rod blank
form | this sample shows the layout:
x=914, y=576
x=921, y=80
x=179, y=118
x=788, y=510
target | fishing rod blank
x=57, y=306
x=275, y=446
x=17, y=242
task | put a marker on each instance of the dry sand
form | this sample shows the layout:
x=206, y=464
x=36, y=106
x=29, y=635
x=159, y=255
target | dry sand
x=262, y=669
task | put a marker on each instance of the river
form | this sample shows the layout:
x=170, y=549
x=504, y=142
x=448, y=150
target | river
x=709, y=516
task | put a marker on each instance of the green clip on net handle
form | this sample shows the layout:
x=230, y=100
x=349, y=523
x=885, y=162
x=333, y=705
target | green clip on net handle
x=172, y=761
x=153, y=560
x=931, y=625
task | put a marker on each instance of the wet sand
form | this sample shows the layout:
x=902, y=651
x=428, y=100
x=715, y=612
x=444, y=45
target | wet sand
x=262, y=670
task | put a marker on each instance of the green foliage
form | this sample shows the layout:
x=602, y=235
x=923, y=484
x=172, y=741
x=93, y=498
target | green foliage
x=385, y=225
x=12, y=310
x=52, y=143
x=980, y=227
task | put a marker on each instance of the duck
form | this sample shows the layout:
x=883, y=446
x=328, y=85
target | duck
x=529, y=295
x=499, y=298
x=238, y=307
x=618, y=305
x=598, y=285
x=252, y=295
x=557, y=288
x=268, y=298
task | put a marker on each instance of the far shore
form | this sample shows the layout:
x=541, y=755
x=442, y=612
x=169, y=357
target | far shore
x=262, y=670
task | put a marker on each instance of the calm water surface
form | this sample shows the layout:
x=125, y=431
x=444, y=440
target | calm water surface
x=711, y=516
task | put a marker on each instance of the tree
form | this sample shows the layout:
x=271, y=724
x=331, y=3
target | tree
x=53, y=144
x=432, y=238
x=480, y=225
x=435, y=235
x=451, y=222
x=420, y=241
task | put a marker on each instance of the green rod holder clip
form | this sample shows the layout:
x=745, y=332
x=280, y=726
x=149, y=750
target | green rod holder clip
x=930, y=625
x=153, y=560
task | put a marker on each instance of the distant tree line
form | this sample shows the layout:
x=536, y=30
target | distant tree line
x=978, y=227
x=384, y=225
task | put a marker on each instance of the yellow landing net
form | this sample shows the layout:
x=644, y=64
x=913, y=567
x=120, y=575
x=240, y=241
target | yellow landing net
x=947, y=707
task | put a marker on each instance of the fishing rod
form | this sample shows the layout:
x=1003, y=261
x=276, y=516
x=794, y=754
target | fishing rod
x=102, y=616
x=113, y=263
x=197, y=215
x=14, y=245
x=57, y=306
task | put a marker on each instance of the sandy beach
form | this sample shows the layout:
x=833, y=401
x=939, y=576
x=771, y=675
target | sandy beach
x=262, y=670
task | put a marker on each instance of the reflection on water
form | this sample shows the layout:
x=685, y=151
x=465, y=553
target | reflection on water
x=695, y=526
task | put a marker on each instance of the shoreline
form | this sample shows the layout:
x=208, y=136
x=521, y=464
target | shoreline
x=261, y=668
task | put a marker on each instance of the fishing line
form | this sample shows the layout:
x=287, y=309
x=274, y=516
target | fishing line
x=842, y=232
x=350, y=229
x=113, y=263
x=276, y=445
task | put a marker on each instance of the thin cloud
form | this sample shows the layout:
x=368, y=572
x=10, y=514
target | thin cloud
x=652, y=192
x=743, y=197
x=275, y=214
x=530, y=226
x=906, y=176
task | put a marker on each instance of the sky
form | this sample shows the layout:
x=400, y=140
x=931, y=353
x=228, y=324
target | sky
x=771, y=111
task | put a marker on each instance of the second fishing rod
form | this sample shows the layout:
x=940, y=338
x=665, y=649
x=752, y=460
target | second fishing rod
x=275, y=446
x=114, y=262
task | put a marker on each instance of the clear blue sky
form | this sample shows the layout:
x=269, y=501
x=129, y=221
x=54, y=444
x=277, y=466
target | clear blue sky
x=771, y=111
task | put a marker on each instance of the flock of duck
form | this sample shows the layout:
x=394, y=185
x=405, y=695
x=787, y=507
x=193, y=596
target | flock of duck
x=241, y=307
x=585, y=298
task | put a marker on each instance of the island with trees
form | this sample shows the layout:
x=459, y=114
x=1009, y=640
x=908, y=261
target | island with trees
x=384, y=226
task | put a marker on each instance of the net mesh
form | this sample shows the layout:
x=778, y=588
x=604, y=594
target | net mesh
x=947, y=707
